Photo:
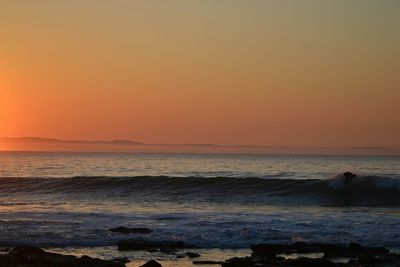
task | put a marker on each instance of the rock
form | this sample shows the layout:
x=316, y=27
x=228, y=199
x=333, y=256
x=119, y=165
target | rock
x=127, y=230
x=132, y=244
x=266, y=250
x=329, y=250
x=381, y=261
x=151, y=263
x=355, y=246
x=271, y=250
x=352, y=250
x=378, y=251
x=267, y=255
x=333, y=250
x=239, y=262
x=208, y=262
x=278, y=261
x=192, y=255
x=122, y=259
x=28, y=256
x=88, y=261
x=26, y=250
x=307, y=262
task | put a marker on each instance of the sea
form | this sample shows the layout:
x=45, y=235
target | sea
x=67, y=202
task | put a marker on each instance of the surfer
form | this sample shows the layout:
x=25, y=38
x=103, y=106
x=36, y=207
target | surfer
x=348, y=177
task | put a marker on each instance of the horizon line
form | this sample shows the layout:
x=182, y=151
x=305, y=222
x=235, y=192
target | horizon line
x=135, y=142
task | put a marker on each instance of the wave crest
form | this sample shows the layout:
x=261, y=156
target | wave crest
x=362, y=191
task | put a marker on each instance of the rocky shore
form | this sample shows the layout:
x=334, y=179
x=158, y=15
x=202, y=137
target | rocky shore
x=316, y=254
x=27, y=256
x=262, y=255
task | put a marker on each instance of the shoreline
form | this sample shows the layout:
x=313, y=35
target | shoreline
x=283, y=255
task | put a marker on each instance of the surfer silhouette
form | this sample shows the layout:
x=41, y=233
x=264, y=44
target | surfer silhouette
x=348, y=177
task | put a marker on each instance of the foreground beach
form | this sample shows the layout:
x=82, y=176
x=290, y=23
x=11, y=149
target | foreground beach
x=142, y=252
x=169, y=254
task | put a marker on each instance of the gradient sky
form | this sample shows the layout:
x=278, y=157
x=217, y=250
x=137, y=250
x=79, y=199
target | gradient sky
x=299, y=73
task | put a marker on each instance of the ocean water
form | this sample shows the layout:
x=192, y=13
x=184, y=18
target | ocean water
x=69, y=200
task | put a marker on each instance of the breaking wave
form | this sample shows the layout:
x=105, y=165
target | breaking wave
x=362, y=191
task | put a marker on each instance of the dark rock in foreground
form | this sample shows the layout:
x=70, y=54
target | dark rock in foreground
x=264, y=255
x=329, y=250
x=192, y=255
x=281, y=262
x=132, y=244
x=239, y=262
x=27, y=256
x=134, y=230
x=151, y=263
x=207, y=262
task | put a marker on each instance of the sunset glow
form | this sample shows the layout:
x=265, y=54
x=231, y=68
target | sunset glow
x=202, y=72
x=180, y=133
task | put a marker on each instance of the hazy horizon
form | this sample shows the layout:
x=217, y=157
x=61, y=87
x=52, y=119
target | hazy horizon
x=43, y=144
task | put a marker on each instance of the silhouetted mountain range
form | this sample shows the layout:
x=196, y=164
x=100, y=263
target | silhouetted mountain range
x=52, y=144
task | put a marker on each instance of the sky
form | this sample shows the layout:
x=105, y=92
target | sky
x=281, y=73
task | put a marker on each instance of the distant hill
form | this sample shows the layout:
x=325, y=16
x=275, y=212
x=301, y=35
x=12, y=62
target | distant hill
x=121, y=145
x=59, y=141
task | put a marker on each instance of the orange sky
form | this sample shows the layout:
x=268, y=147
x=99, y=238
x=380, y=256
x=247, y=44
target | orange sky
x=306, y=73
